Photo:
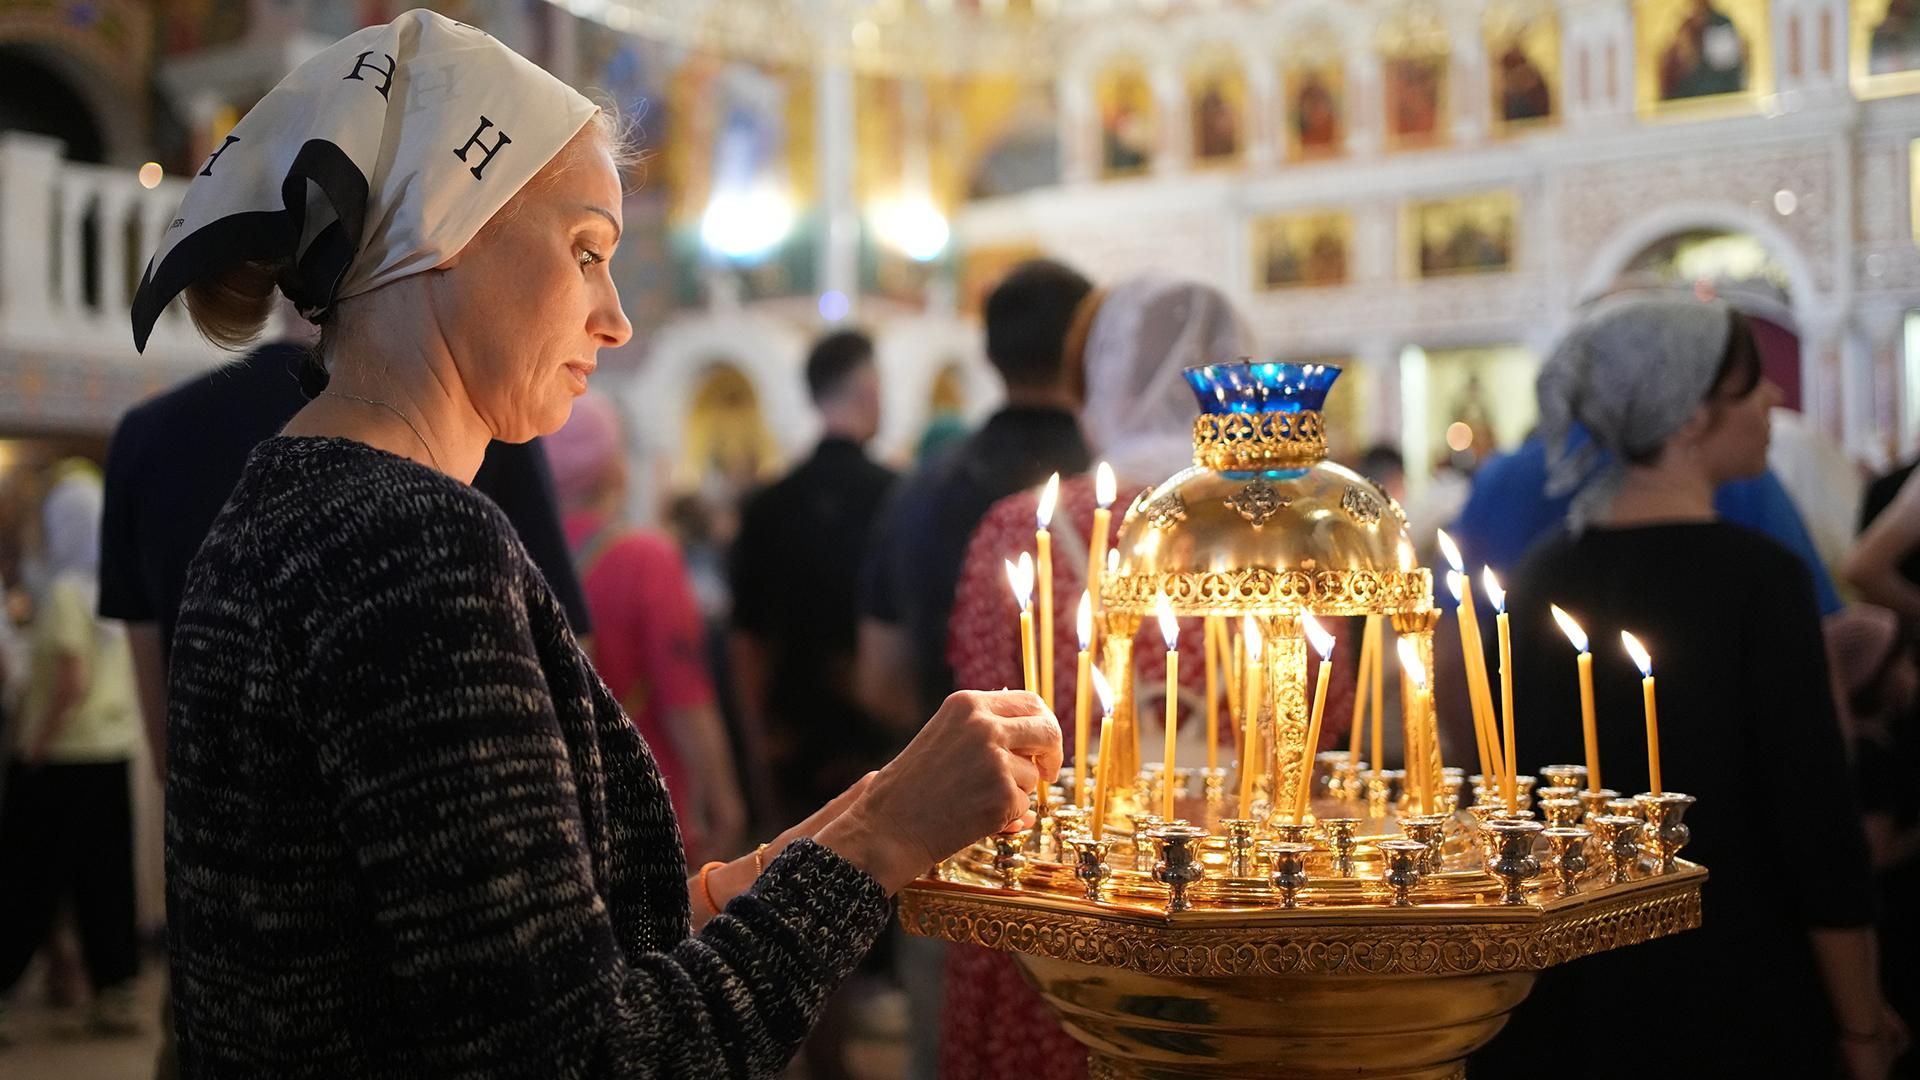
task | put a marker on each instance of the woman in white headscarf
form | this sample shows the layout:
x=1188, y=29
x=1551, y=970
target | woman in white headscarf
x=1671, y=393
x=1132, y=342
x=66, y=827
x=410, y=832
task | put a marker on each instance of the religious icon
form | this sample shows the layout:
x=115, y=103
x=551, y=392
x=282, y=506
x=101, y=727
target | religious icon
x=1314, y=121
x=1415, y=93
x=1128, y=121
x=1705, y=57
x=1524, y=44
x=1886, y=47
x=1294, y=250
x=1469, y=234
x=1219, y=95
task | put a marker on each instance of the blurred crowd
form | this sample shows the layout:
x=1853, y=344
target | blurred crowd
x=775, y=651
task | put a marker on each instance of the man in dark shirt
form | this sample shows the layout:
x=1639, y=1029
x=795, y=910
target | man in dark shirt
x=794, y=567
x=174, y=460
x=914, y=562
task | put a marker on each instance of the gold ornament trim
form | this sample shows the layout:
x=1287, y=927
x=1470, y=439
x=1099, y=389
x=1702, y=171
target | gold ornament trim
x=1258, y=590
x=1240, y=442
x=1450, y=945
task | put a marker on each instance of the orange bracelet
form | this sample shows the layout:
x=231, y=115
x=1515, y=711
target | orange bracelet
x=706, y=890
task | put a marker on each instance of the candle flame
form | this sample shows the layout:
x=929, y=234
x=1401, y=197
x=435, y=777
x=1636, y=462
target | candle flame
x=1113, y=560
x=1250, y=633
x=1049, y=498
x=1105, y=487
x=1494, y=592
x=1641, y=659
x=1570, y=628
x=1084, y=621
x=1410, y=663
x=1020, y=576
x=1451, y=550
x=1101, y=690
x=1321, y=640
x=1457, y=582
x=1169, y=625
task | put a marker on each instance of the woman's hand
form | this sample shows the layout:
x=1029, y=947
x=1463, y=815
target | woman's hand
x=966, y=775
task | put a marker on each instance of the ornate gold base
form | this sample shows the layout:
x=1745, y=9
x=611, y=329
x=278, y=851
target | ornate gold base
x=1264, y=993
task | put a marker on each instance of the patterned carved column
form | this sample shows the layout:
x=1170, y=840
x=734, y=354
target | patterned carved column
x=1125, y=753
x=1285, y=729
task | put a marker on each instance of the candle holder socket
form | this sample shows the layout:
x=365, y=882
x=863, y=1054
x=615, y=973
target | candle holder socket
x=1349, y=783
x=1620, y=841
x=1622, y=807
x=1429, y=830
x=1328, y=766
x=1541, y=795
x=1009, y=857
x=1240, y=844
x=1291, y=832
x=1523, y=791
x=1090, y=862
x=1146, y=785
x=1143, y=826
x=1567, y=846
x=1401, y=869
x=1213, y=784
x=1340, y=834
x=1516, y=862
x=1379, y=794
x=1565, y=776
x=1665, y=834
x=1594, y=803
x=1561, y=813
x=1066, y=820
x=1289, y=869
x=1179, y=864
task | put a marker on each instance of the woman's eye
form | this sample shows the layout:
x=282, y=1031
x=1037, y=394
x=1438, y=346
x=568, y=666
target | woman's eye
x=588, y=257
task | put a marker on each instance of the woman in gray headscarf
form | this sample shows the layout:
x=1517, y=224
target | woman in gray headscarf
x=1671, y=389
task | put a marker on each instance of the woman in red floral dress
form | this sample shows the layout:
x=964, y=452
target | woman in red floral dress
x=1137, y=339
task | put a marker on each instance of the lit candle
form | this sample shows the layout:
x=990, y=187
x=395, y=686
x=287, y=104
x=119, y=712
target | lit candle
x=1170, y=630
x=1322, y=644
x=1499, y=597
x=1585, y=663
x=1211, y=638
x=1470, y=656
x=1043, y=570
x=1414, y=755
x=1020, y=576
x=1249, y=712
x=1362, y=682
x=1479, y=689
x=1084, y=624
x=1104, y=491
x=1645, y=663
x=1101, y=690
x=1379, y=698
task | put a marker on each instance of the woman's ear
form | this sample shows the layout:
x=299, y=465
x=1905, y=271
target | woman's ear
x=1695, y=430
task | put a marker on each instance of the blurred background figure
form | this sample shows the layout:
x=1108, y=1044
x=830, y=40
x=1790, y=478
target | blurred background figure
x=649, y=639
x=66, y=827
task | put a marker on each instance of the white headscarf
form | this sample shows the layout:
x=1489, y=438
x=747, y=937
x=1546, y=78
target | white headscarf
x=378, y=158
x=70, y=520
x=1149, y=329
x=1631, y=373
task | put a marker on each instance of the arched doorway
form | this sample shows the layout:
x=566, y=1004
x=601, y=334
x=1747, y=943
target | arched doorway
x=1739, y=267
x=726, y=448
x=36, y=97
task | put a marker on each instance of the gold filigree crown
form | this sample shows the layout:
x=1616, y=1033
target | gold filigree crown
x=1248, y=442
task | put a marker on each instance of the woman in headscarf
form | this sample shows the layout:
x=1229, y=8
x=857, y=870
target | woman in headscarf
x=1779, y=981
x=410, y=831
x=1132, y=342
x=66, y=826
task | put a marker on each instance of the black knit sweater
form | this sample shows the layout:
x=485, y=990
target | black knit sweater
x=411, y=834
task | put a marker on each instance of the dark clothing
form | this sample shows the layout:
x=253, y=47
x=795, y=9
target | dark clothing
x=913, y=566
x=174, y=460
x=1747, y=726
x=410, y=833
x=1879, y=495
x=795, y=569
x=66, y=837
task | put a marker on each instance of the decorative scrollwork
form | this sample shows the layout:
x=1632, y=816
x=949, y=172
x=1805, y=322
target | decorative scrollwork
x=1441, y=948
x=1235, y=442
x=1257, y=501
x=1361, y=505
x=1167, y=511
x=1259, y=590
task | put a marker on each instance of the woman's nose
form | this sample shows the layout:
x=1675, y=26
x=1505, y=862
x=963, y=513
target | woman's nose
x=608, y=322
